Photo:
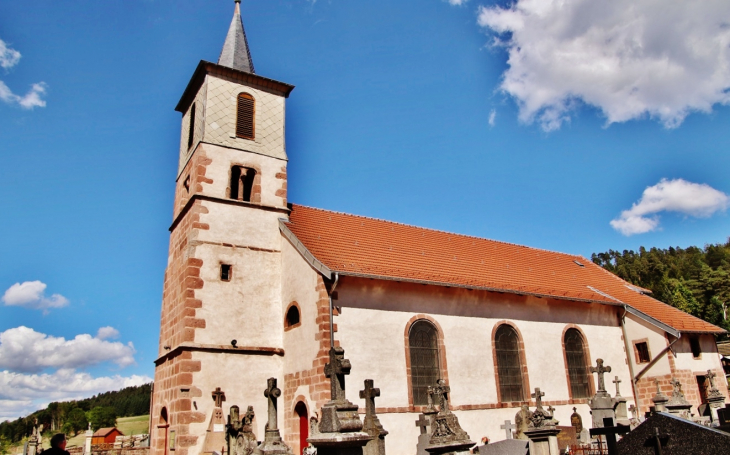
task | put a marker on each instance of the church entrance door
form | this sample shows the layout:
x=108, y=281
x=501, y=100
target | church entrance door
x=301, y=411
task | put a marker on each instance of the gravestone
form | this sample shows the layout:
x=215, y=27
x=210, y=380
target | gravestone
x=542, y=429
x=87, y=445
x=446, y=434
x=240, y=438
x=715, y=398
x=622, y=412
x=424, y=425
x=566, y=438
x=659, y=399
x=507, y=427
x=602, y=404
x=505, y=447
x=634, y=421
x=371, y=424
x=581, y=433
x=215, y=437
x=667, y=434
x=677, y=403
x=339, y=431
x=273, y=444
x=522, y=422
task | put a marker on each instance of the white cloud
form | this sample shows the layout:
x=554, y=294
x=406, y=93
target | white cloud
x=681, y=196
x=31, y=294
x=21, y=394
x=457, y=2
x=492, y=117
x=8, y=57
x=25, y=350
x=628, y=58
x=29, y=100
x=106, y=333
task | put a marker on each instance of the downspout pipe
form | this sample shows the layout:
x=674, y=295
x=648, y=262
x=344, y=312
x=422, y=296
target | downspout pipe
x=637, y=398
x=332, y=324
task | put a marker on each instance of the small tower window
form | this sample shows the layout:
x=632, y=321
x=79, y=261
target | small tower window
x=191, y=129
x=242, y=179
x=694, y=344
x=226, y=272
x=292, y=317
x=245, y=116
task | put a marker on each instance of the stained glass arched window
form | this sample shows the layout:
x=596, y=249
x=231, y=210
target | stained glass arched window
x=509, y=364
x=424, y=350
x=577, y=368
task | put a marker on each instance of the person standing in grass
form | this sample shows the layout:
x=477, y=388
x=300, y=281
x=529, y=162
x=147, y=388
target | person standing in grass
x=58, y=445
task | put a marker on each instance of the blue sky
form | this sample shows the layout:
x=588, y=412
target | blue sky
x=533, y=125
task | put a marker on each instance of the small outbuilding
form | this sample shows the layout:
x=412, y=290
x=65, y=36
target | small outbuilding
x=106, y=435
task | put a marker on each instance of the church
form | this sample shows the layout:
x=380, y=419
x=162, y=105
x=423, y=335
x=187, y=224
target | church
x=258, y=287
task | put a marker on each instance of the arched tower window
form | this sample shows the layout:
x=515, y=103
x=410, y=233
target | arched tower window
x=577, y=366
x=191, y=129
x=509, y=364
x=292, y=317
x=242, y=180
x=245, y=116
x=425, y=370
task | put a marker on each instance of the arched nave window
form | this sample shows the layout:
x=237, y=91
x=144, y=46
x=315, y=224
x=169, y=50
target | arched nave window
x=509, y=364
x=575, y=356
x=424, y=351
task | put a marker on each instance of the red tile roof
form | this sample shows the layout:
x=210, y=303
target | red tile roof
x=361, y=246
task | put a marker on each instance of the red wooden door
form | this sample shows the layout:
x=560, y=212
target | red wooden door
x=301, y=409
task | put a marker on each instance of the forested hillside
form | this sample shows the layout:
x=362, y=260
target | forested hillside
x=73, y=416
x=695, y=280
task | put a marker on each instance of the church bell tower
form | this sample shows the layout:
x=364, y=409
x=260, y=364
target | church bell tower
x=221, y=322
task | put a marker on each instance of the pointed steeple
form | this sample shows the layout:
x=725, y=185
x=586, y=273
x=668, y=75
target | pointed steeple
x=235, y=53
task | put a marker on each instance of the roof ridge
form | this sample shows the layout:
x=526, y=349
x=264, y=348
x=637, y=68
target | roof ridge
x=572, y=256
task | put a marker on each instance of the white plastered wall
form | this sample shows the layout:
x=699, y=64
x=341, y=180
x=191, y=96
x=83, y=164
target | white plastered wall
x=372, y=326
x=638, y=329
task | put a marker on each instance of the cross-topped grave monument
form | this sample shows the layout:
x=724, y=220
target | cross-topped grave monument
x=424, y=424
x=622, y=412
x=538, y=397
x=215, y=437
x=371, y=423
x=715, y=398
x=446, y=433
x=340, y=426
x=602, y=404
x=507, y=427
x=219, y=397
x=542, y=430
x=239, y=432
x=678, y=404
x=273, y=444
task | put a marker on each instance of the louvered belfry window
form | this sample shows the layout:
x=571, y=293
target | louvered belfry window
x=509, y=365
x=577, y=368
x=245, y=116
x=425, y=371
x=191, y=127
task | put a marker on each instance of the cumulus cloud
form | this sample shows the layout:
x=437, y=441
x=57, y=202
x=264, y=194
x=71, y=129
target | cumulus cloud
x=8, y=57
x=691, y=199
x=29, y=100
x=22, y=349
x=21, y=394
x=31, y=294
x=106, y=333
x=628, y=58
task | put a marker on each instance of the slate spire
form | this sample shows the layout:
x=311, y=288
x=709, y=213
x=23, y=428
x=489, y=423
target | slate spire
x=235, y=53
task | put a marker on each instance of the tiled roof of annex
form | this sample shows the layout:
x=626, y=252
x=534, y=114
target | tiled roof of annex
x=361, y=246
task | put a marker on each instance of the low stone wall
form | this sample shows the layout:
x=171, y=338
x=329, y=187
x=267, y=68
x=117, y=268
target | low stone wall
x=125, y=451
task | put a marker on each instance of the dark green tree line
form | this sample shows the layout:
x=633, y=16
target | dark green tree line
x=695, y=280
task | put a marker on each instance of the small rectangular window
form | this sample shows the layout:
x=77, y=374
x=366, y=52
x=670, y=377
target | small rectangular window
x=702, y=386
x=226, y=272
x=191, y=128
x=186, y=184
x=642, y=350
x=694, y=344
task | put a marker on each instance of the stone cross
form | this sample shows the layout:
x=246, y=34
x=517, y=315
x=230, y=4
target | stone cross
x=423, y=423
x=336, y=370
x=600, y=370
x=551, y=409
x=610, y=432
x=617, y=381
x=442, y=390
x=677, y=387
x=711, y=377
x=219, y=397
x=272, y=393
x=538, y=397
x=508, y=427
x=633, y=410
x=369, y=395
x=658, y=441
